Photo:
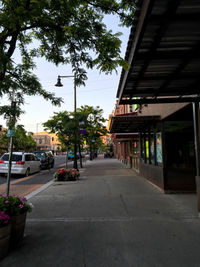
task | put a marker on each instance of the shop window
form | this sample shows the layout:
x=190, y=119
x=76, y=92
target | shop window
x=159, y=148
x=147, y=150
x=152, y=150
x=143, y=148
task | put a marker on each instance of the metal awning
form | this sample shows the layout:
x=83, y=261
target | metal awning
x=163, y=53
x=123, y=137
x=131, y=124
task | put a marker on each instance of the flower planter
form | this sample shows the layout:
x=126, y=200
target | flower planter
x=17, y=230
x=5, y=232
x=66, y=175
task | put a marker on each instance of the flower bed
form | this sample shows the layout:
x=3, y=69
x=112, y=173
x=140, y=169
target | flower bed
x=66, y=174
x=5, y=231
x=13, y=210
x=14, y=205
x=4, y=219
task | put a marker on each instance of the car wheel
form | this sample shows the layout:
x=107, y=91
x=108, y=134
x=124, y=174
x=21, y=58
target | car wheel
x=27, y=173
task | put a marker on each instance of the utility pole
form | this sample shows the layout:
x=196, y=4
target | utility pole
x=59, y=84
x=10, y=133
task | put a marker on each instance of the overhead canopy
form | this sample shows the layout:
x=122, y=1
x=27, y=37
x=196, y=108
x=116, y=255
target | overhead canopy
x=130, y=124
x=164, y=53
x=123, y=137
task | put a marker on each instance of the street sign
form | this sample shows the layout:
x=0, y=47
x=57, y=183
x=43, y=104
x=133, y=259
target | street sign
x=10, y=133
x=82, y=131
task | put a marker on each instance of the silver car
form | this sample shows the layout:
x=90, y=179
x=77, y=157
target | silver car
x=23, y=163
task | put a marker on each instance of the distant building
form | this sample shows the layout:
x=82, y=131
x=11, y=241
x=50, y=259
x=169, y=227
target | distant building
x=47, y=141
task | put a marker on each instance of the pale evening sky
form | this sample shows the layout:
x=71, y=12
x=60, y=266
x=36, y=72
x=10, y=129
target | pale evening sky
x=100, y=89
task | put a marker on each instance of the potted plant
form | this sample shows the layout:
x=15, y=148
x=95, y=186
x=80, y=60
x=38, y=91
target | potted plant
x=5, y=230
x=66, y=174
x=17, y=209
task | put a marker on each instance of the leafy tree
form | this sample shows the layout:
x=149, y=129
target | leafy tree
x=22, y=141
x=61, y=124
x=66, y=32
x=4, y=142
x=65, y=124
x=94, y=125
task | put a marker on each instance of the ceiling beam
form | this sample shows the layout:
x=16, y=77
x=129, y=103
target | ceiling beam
x=159, y=100
x=164, y=25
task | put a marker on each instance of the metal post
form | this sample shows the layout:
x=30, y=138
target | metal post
x=155, y=147
x=196, y=137
x=145, y=152
x=196, y=119
x=75, y=133
x=59, y=84
x=9, y=166
x=12, y=126
x=149, y=140
x=141, y=144
x=164, y=155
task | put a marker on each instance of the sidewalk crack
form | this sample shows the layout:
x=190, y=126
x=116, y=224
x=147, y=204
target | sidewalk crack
x=124, y=205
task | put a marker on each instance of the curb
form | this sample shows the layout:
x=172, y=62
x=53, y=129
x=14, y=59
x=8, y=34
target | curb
x=32, y=194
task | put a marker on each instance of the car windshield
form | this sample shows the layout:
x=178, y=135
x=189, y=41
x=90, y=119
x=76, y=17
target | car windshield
x=15, y=157
x=40, y=155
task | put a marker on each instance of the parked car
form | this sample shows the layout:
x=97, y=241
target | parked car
x=46, y=159
x=23, y=163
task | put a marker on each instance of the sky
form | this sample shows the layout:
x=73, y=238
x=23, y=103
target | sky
x=100, y=89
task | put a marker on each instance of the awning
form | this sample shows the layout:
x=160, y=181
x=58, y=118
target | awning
x=123, y=137
x=163, y=53
x=131, y=124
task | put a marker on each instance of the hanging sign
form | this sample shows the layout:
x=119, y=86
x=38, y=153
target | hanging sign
x=82, y=131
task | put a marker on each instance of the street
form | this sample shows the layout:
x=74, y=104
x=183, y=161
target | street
x=25, y=185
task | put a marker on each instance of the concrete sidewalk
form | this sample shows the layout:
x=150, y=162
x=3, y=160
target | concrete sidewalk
x=111, y=217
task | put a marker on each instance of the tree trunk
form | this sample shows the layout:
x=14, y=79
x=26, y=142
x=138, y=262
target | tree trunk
x=67, y=157
x=80, y=157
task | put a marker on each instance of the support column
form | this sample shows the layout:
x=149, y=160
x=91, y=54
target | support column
x=141, y=144
x=164, y=154
x=196, y=119
x=149, y=140
x=155, y=147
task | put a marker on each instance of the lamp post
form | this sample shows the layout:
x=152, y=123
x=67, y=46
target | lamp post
x=59, y=84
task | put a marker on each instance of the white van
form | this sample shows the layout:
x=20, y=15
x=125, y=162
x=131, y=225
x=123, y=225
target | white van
x=23, y=163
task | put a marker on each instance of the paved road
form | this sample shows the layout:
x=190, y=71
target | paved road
x=24, y=186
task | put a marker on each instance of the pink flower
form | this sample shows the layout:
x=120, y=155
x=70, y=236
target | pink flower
x=23, y=199
x=21, y=206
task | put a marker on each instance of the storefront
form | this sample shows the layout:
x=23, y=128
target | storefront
x=164, y=58
x=126, y=149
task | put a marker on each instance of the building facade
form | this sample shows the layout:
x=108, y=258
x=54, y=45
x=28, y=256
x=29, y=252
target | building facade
x=163, y=79
x=47, y=141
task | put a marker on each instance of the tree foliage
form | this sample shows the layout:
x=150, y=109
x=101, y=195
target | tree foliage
x=67, y=31
x=66, y=123
x=22, y=140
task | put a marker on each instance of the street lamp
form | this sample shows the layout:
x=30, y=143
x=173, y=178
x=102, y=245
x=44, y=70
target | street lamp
x=59, y=84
